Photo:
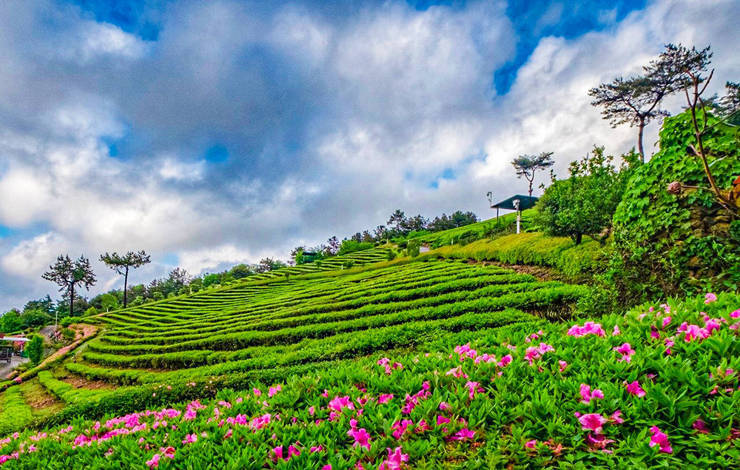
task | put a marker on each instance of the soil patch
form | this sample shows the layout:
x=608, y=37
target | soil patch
x=80, y=382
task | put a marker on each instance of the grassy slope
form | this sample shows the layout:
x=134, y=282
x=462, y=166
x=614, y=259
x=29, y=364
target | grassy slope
x=267, y=329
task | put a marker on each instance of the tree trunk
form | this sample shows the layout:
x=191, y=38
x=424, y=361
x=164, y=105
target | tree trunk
x=640, y=128
x=71, y=299
x=125, y=286
x=530, y=184
x=578, y=238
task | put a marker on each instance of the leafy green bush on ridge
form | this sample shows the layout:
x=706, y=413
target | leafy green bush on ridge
x=668, y=243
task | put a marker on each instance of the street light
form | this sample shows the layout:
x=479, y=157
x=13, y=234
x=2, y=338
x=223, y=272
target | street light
x=515, y=203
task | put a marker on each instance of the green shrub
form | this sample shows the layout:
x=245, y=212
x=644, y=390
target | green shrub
x=669, y=243
x=35, y=349
x=584, y=203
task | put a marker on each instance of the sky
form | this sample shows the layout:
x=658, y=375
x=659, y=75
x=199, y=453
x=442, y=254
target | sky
x=220, y=132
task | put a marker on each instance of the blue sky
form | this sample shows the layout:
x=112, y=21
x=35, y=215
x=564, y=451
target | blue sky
x=213, y=133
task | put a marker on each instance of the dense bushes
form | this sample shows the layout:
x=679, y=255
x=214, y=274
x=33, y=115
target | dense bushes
x=584, y=203
x=672, y=243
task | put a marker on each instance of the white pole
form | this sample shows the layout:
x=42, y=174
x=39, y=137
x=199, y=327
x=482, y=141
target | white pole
x=518, y=221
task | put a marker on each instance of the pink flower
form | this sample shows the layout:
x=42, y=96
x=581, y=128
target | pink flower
x=709, y=298
x=505, y=361
x=634, y=388
x=616, y=331
x=273, y=390
x=395, y=460
x=668, y=344
x=339, y=403
x=735, y=314
x=666, y=321
x=385, y=398
x=530, y=444
x=361, y=437
x=563, y=365
x=311, y=410
x=472, y=388
x=257, y=392
x=190, y=438
x=587, y=395
x=700, y=426
x=532, y=353
x=598, y=441
x=326, y=467
x=457, y=372
x=315, y=449
x=592, y=422
x=660, y=439
x=465, y=352
x=588, y=328
x=442, y=420
x=692, y=332
x=616, y=417
x=422, y=426
x=626, y=351
x=444, y=406
x=463, y=434
x=399, y=427
x=228, y=434
x=154, y=462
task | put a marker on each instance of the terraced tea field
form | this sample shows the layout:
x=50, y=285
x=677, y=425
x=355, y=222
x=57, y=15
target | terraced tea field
x=267, y=329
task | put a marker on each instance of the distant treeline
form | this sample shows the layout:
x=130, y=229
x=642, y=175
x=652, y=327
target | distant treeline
x=398, y=227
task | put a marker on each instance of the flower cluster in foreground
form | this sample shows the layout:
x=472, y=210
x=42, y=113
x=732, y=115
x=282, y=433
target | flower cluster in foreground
x=538, y=395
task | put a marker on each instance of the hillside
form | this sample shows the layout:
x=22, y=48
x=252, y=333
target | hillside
x=648, y=388
x=270, y=327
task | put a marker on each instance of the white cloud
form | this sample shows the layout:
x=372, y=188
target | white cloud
x=173, y=169
x=30, y=258
x=386, y=100
x=198, y=261
x=108, y=39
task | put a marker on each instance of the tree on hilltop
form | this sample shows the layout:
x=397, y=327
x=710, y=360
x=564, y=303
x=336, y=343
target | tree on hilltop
x=122, y=263
x=527, y=165
x=68, y=274
x=636, y=100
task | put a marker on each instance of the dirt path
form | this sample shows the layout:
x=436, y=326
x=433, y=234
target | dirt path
x=83, y=332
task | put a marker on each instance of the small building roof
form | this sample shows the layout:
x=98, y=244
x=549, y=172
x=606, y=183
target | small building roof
x=525, y=202
x=14, y=338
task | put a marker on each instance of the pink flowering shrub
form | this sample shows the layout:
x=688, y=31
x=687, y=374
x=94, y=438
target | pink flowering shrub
x=582, y=398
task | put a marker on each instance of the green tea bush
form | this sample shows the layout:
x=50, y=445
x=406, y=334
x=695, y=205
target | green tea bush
x=670, y=243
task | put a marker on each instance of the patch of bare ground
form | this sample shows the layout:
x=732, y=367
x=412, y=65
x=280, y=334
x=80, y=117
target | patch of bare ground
x=80, y=382
x=37, y=397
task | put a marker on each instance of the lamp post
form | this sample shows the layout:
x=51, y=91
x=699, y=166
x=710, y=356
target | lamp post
x=515, y=203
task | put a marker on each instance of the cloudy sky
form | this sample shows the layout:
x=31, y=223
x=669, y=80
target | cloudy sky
x=213, y=133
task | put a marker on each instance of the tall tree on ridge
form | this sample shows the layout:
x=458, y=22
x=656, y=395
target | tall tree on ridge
x=122, y=263
x=636, y=100
x=68, y=274
x=526, y=165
